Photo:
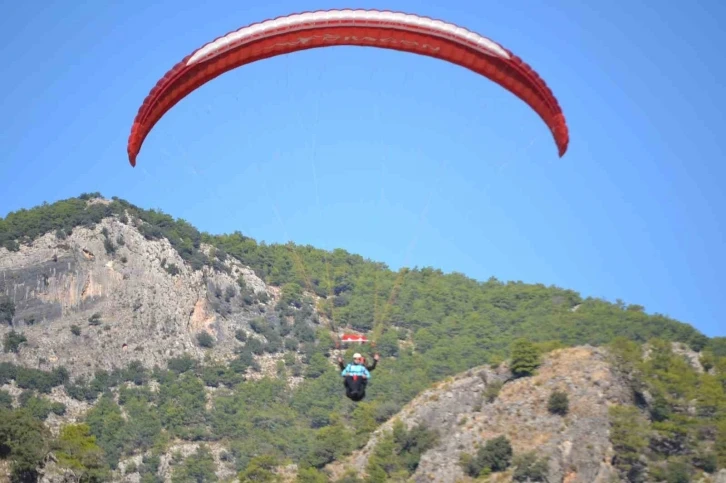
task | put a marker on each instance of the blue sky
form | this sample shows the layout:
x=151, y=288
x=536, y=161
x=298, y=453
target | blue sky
x=400, y=158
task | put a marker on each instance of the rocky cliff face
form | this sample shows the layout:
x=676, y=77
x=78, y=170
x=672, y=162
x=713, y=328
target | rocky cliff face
x=137, y=301
x=576, y=445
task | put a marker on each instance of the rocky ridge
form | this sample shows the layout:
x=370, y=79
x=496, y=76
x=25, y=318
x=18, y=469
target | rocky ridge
x=577, y=445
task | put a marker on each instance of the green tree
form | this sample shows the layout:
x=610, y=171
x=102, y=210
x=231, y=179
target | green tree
x=199, y=467
x=182, y=364
x=109, y=427
x=290, y=296
x=494, y=456
x=182, y=404
x=721, y=443
x=330, y=443
x=318, y=365
x=310, y=475
x=525, y=358
x=711, y=397
x=388, y=344
x=24, y=441
x=6, y=399
x=260, y=469
x=397, y=454
x=76, y=449
x=628, y=434
x=678, y=471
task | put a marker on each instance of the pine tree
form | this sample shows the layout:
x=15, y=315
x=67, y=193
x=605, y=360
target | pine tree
x=525, y=358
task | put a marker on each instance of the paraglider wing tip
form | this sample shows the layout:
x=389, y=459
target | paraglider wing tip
x=561, y=134
x=562, y=149
x=133, y=146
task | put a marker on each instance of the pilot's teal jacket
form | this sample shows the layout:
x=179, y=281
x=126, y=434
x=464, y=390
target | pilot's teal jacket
x=356, y=370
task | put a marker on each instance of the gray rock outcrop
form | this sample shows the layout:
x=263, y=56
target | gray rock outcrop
x=577, y=445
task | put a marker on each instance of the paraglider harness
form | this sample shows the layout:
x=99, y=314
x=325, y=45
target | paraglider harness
x=355, y=387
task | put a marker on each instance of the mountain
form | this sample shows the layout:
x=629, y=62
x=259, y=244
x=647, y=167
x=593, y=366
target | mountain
x=130, y=297
x=138, y=349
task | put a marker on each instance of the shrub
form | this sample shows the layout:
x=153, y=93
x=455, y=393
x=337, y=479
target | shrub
x=240, y=335
x=109, y=246
x=495, y=455
x=182, y=364
x=492, y=391
x=172, y=269
x=95, y=319
x=558, y=403
x=205, y=340
x=7, y=310
x=255, y=346
x=530, y=468
x=12, y=341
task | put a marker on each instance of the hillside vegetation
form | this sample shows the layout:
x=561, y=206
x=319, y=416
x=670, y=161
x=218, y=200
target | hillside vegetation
x=428, y=326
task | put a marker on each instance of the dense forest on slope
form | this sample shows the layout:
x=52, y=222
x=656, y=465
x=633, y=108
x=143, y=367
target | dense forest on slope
x=425, y=303
x=683, y=428
x=428, y=325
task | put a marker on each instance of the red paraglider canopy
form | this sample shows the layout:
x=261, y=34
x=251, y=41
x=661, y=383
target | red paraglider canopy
x=372, y=28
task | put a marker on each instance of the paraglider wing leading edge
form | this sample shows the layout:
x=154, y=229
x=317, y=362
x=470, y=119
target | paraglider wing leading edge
x=373, y=28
